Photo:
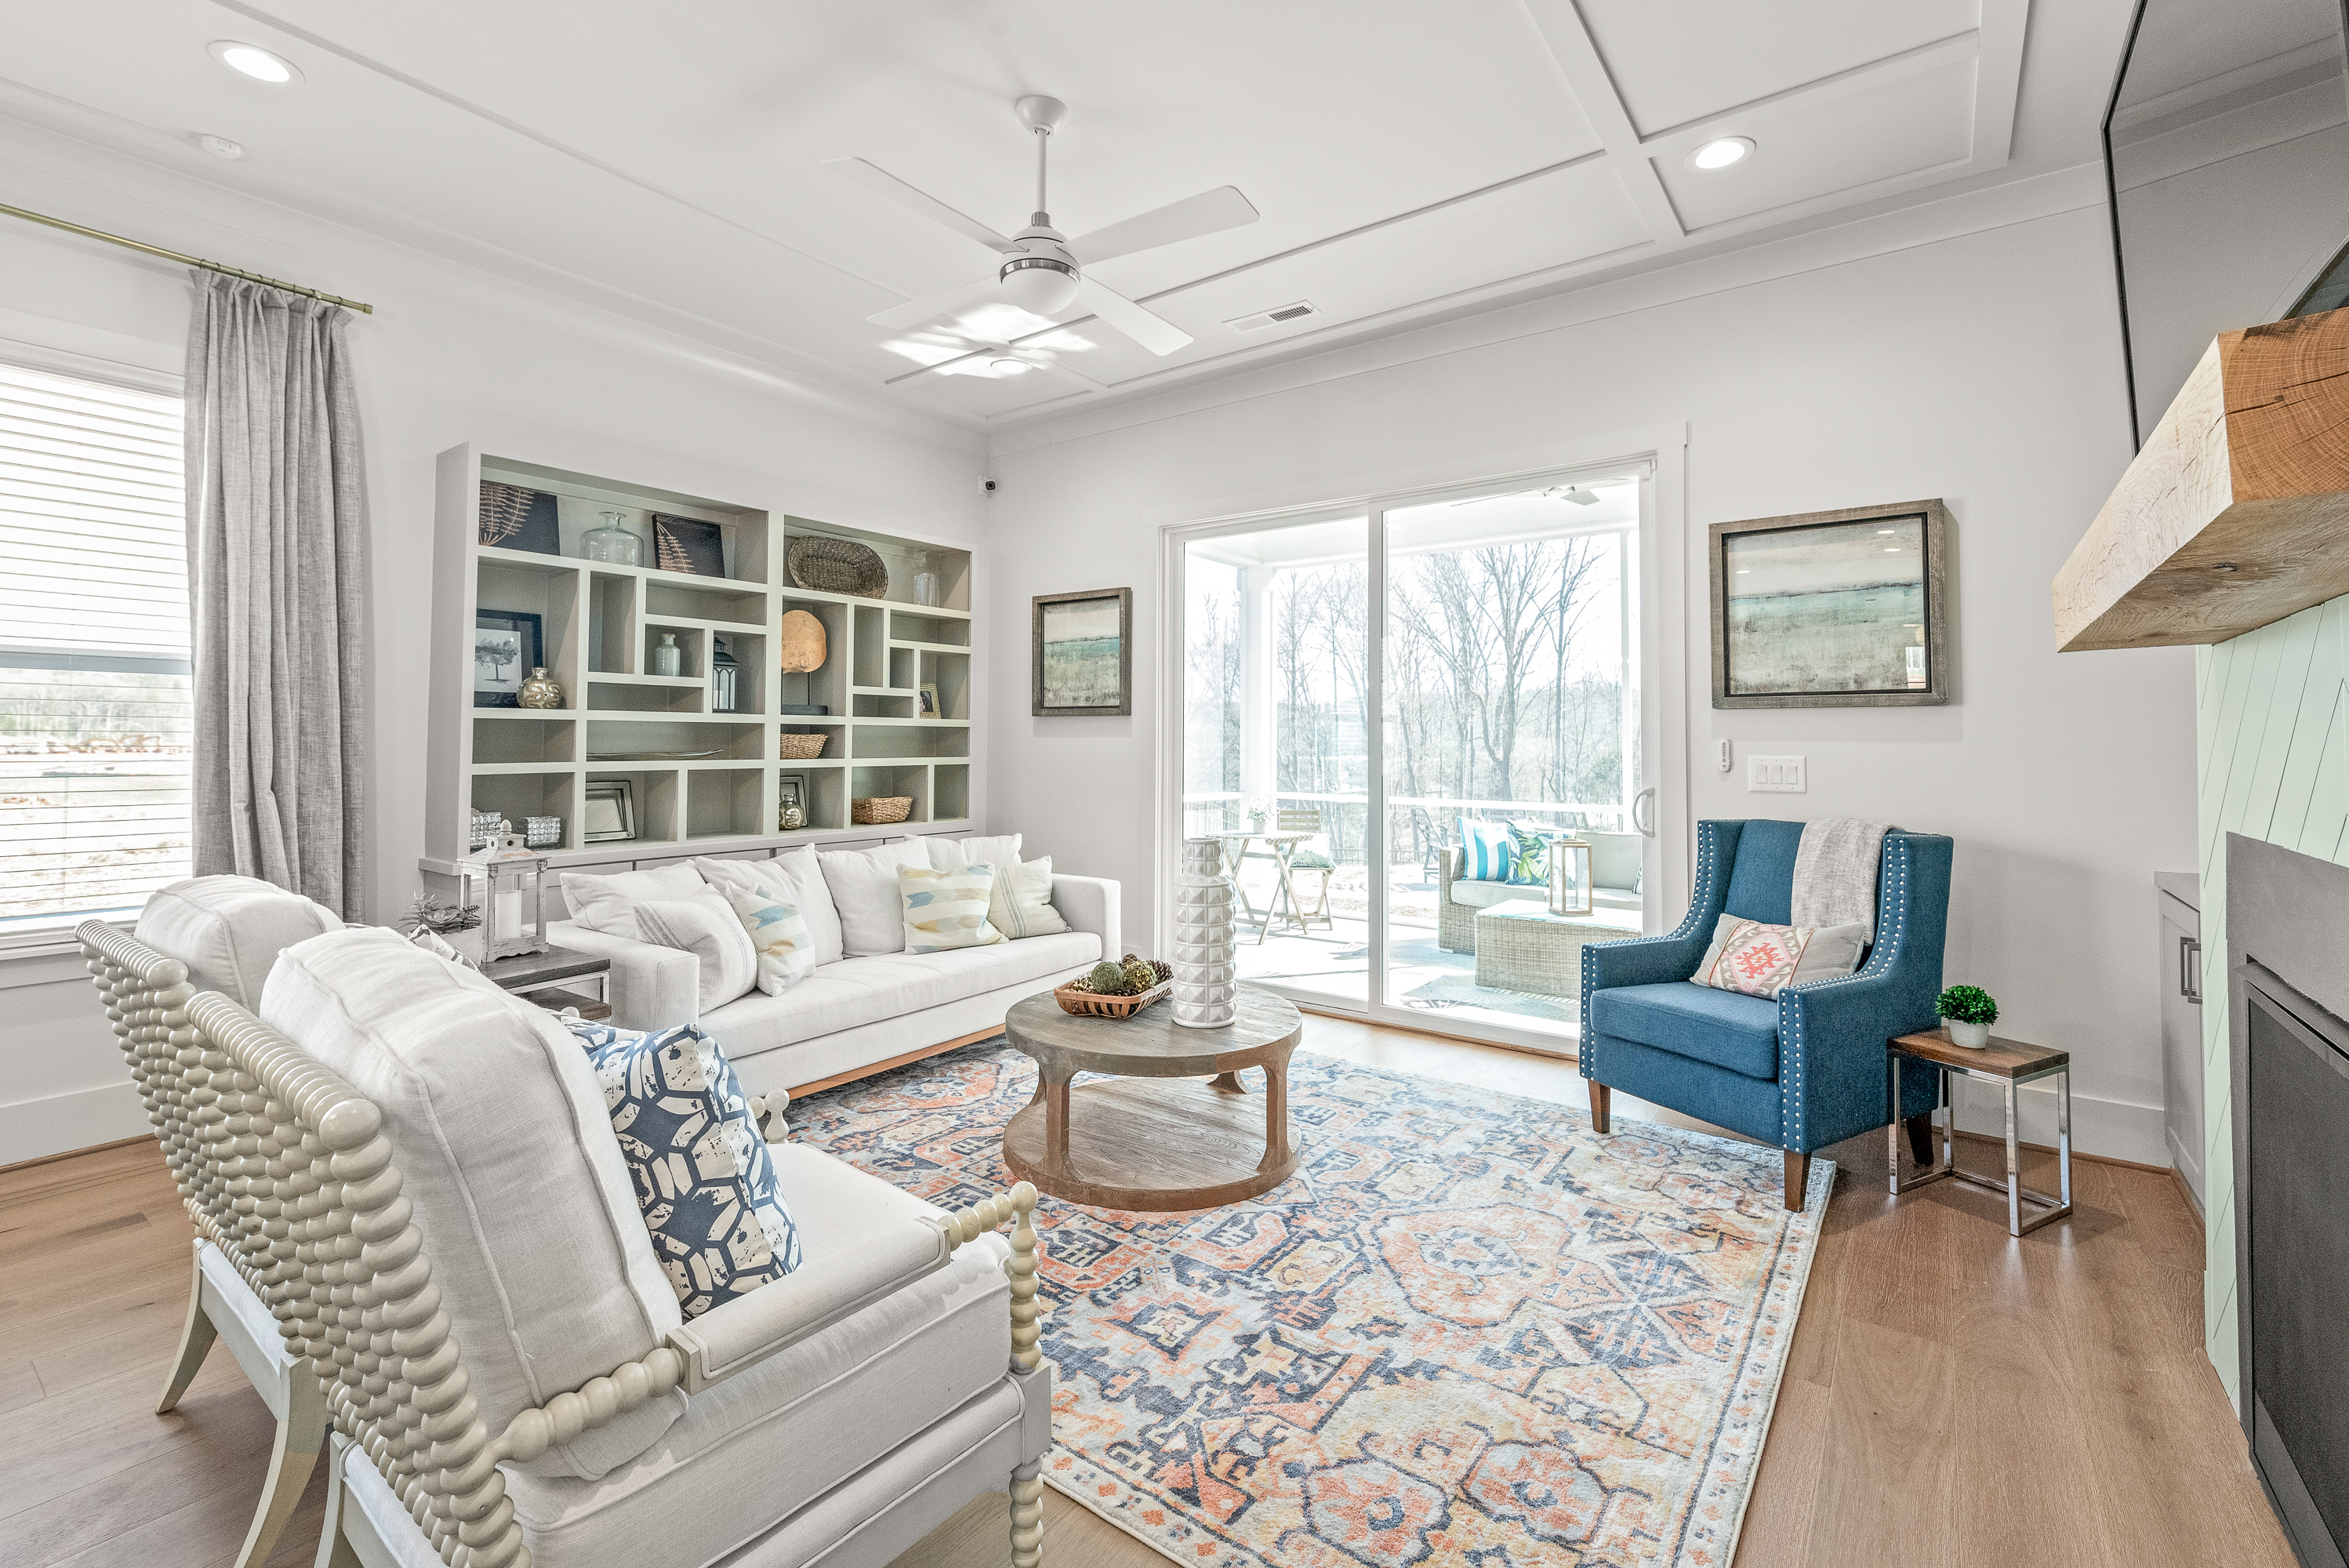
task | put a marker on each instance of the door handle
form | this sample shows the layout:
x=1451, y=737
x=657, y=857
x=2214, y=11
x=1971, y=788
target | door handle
x=2189, y=969
x=1644, y=798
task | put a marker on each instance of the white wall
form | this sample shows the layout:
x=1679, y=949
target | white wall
x=449, y=356
x=1980, y=366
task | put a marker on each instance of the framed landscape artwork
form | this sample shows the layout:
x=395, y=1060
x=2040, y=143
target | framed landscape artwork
x=505, y=650
x=1833, y=609
x=1082, y=657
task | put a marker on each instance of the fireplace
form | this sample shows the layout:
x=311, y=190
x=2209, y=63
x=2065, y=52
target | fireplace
x=2289, y=1028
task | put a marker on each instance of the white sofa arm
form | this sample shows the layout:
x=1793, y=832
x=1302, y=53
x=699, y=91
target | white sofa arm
x=1090, y=904
x=651, y=987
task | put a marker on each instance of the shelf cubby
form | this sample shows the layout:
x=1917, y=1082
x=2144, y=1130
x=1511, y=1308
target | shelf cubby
x=692, y=646
x=864, y=782
x=611, y=622
x=668, y=593
x=645, y=693
x=732, y=740
x=517, y=795
x=524, y=737
x=885, y=705
x=950, y=673
x=657, y=792
x=726, y=803
x=949, y=792
x=911, y=738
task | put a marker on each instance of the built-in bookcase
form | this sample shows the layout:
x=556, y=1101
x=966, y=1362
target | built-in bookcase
x=600, y=625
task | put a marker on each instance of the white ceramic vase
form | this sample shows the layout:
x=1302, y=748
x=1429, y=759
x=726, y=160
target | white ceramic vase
x=1973, y=1036
x=1205, y=981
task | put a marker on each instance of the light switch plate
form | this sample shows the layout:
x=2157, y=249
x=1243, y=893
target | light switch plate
x=1775, y=775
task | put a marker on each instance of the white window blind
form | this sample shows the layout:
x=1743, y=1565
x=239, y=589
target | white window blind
x=94, y=685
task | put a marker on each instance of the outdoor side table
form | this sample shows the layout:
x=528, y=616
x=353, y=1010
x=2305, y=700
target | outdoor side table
x=1522, y=947
x=2009, y=1064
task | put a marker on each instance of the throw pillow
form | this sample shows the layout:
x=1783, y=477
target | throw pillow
x=1485, y=851
x=705, y=1181
x=1764, y=959
x=946, y=910
x=608, y=903
x=952, y=854
x=705, y=925
x=863, y=885
x=792, y=878
x=786, y=953
x=1021, y=905
x=1529, y=853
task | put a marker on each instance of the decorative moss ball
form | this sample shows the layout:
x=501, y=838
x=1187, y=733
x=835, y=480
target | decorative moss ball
x=1107, y=979
x=1139, y=977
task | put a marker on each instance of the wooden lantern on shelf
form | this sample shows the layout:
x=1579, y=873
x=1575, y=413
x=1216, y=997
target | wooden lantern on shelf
x=1569, y=876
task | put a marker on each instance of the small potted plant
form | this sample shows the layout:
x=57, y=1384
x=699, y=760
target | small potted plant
x=1968, y=1011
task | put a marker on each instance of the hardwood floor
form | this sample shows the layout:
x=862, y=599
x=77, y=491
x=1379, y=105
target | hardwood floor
x=1952, y=1397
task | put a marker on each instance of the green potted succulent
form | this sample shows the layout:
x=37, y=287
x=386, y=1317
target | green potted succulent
x=1968, y=1012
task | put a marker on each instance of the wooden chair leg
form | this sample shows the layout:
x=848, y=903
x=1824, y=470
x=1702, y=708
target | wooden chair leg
x=1028, y=1514
x=300, y=1436
x=1798, y=1181
x=1920, y=1137
x=1601, y=1105
x=196, y=1338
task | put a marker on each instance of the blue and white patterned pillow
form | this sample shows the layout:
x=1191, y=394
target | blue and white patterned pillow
x=1529, y=852
x=704, y=1179
x=1486, y=851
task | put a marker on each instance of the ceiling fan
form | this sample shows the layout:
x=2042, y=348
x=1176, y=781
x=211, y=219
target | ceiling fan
x=1042, y=268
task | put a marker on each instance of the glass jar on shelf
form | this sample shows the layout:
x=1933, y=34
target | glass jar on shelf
x=613, y=543
x=926, y=579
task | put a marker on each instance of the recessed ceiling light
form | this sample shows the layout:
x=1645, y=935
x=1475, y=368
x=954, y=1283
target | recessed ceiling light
x=220, y=146
x=1721, y=153
x=251, y=60
x=1008, y=366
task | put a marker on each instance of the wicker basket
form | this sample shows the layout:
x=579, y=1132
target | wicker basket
x=1093, y=1005
x=837, y=566
x=880, y=811
x=800, y=748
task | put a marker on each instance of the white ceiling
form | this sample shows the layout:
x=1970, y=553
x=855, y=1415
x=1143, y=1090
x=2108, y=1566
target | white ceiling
x=1408, y=157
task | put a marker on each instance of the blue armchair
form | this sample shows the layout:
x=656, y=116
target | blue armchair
x=1804, y=1072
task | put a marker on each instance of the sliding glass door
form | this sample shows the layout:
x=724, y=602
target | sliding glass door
x=1393, y=720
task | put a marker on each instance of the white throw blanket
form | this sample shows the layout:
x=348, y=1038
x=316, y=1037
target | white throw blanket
x=1836, y=872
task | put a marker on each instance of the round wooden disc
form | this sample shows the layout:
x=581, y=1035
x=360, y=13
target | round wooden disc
x=802, y=642
x=1154, y=1145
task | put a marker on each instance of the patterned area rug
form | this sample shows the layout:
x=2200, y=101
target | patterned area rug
x=1468, y=1332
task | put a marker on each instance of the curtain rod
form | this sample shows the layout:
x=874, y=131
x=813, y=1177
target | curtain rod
x=190, y=260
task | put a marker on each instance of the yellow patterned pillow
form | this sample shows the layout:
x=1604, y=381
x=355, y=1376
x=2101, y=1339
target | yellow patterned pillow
x=946, y=910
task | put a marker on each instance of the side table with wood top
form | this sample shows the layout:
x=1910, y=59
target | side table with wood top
x=2009, y=1064
x=547, y=978
x=1144, y=1138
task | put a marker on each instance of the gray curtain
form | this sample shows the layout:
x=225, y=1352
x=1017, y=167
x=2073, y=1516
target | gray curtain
x=277, y=584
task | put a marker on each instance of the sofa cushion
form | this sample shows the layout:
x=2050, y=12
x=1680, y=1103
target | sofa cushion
x=792, y=878
x=230, y=930
x=1485, y=894
x=946, y=910
x=778, y=933
x=1729, y=1030
x=1486, y=851
x=705, y=1183
x=863, y=885
x=1764, y=959
x=1021, y=905
x=506, y=1152
x=866, y=990
x=608, y=903
x=704, y=925
x=765, y=1442
x=950, y=854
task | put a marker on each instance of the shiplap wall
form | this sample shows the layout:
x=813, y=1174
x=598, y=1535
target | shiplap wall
x=2272, y=747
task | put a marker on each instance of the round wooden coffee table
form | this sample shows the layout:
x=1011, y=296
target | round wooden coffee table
x=1148, y=1139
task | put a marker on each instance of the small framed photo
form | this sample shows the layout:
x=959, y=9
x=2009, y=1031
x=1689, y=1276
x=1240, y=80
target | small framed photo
x=927, y=706
x=609, y=815
x=791, y=790
x=1833, y=609
x=1082, y=657
x=689, y=545
x=506, y=648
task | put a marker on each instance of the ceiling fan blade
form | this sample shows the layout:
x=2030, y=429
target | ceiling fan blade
x=916, y=312
x=1153, y=333
x=881, y=182
x=941, y=364
x=1209, y=213
x=1062, y=371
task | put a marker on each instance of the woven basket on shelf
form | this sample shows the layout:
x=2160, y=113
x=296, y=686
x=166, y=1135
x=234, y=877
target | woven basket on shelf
x=799, y=747
x=1093, y=1005
x=880, y=811
x=837, y=566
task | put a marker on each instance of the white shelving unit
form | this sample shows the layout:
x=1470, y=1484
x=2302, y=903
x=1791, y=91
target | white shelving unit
x=600, y=623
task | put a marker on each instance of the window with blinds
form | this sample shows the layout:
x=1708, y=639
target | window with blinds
x=94, y=683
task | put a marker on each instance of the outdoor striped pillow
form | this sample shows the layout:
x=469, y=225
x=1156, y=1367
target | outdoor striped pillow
x=1486, y=851
x=946, y=910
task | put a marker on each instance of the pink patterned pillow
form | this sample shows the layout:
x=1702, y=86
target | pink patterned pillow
x=1763, y=960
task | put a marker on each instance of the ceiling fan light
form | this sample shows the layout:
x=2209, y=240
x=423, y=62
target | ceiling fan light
x=1007, y=365
x=1041, y=285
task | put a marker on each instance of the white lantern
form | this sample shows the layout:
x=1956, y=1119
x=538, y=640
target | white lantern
x=1569, y=876
x=513, y=916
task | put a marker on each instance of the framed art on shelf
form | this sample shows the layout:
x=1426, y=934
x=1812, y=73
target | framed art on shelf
x=513, y=517
x=1081, y=660
x=609, y=815
x=1833, y=609
x=507, y=647
x=926, y=706
x=689, y=545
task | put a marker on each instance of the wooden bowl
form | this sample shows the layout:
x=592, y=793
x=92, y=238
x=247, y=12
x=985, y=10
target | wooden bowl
x=1093, y=1004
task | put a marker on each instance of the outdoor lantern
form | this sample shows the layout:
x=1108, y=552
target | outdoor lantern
x=514, y=917
x=1569, y=876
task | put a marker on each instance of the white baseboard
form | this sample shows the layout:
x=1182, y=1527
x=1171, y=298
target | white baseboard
x=61, y=1123
x=2112, y=1128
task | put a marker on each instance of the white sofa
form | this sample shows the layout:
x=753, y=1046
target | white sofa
x=861, y=1014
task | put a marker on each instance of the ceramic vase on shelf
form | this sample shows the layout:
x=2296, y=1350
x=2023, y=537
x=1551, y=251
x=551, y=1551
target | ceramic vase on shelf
x=668, y=659
x=539, y=691
x=1205, y=977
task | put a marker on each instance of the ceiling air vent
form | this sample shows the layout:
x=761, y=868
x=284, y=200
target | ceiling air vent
x=1265, y=318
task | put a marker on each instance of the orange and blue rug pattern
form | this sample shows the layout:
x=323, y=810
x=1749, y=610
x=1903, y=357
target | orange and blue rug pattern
x=1468, y=1333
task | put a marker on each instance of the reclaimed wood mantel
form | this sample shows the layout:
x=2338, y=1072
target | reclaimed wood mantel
x=2236, y=513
